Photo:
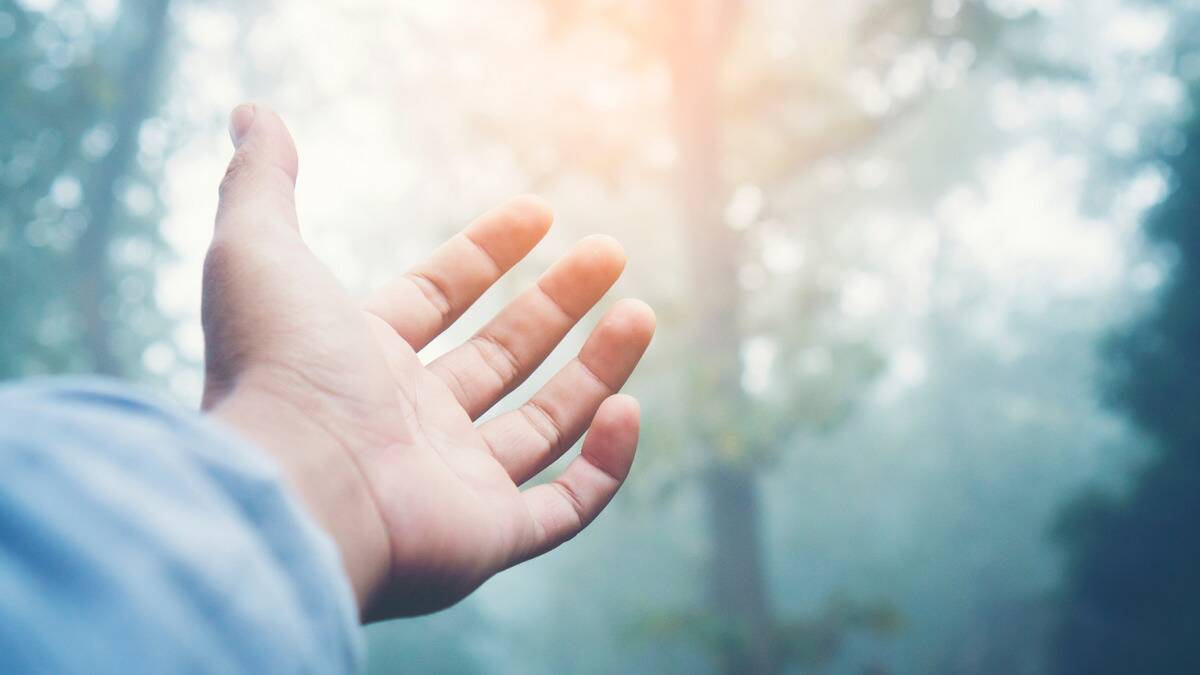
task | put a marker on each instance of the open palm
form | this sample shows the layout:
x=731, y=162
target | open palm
x=424, y=503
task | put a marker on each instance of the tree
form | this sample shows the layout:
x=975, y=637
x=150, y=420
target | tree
x=724, y=92
x=75, y=192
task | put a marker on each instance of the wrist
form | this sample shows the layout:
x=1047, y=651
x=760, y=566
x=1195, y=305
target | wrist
x=318, y=467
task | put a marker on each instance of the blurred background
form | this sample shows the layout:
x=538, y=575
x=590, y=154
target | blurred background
x=927, y=272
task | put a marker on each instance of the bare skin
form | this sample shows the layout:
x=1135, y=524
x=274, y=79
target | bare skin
x=424, y=503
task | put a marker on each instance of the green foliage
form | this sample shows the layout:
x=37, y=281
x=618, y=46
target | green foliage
x=809, y=643
x=1133, y=582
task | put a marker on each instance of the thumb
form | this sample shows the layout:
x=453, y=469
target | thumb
x=258, y=191
x=241, y=268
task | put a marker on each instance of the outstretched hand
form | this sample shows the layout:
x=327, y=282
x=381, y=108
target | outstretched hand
x=424, y=503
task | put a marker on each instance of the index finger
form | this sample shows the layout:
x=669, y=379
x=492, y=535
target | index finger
x=424, y=301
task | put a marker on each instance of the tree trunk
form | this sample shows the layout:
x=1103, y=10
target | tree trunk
x=737, y=585
x=138, y=75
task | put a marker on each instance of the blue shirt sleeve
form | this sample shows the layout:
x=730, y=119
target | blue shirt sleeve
x=135, y=537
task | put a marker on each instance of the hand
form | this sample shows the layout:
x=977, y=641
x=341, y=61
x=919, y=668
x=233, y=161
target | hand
x=423, y=503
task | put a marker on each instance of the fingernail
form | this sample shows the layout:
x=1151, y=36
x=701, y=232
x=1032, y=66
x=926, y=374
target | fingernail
x=240, y=121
